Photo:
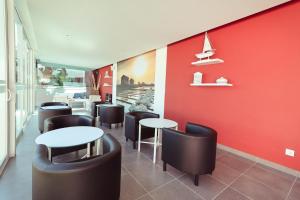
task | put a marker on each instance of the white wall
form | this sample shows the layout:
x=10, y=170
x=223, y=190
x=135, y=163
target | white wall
x=160, y=81
x=114, y=83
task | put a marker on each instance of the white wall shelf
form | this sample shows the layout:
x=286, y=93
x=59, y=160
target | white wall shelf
x=212, y=85
x=107, y=85
x=208, y=62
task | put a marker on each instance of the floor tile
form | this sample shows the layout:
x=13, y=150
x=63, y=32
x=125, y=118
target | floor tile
x=235, y=162
x=123, y=171
x=256, y=190
x=130, y=189
x=175, y=191
x=224, y=173
x=230, y=194
x=208, y=186
x=145, y=197
x=220, y=152
x=148, y=174
x=281, y=183
x=275, y=171
x=295, y=192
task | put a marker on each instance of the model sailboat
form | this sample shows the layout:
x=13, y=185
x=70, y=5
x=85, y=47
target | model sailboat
x=207, y=52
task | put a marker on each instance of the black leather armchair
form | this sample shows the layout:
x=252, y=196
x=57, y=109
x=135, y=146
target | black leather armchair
x=94, y=108
x=111, y=114
x=193, y=152
x=93, y=178
x=68, y=121
x=46, y=113
x=132, y=126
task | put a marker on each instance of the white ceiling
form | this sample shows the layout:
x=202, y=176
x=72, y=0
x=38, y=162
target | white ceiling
x=95, y=33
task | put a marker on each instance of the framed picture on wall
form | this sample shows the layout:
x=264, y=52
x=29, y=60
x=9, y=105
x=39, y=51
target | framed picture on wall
x=135, y=82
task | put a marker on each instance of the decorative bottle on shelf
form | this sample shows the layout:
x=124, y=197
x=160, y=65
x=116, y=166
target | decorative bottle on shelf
x=197, y=78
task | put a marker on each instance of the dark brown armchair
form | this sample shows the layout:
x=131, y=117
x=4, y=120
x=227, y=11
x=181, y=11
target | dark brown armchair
x=94, y=108
x=111, y=114
x=132, y=125
x=45, y=113
x=92, y=178
x=193, y=152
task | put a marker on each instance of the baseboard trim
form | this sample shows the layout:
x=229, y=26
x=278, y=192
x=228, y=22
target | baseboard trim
x=260, y=160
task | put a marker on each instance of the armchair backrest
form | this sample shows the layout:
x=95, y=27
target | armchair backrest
x=112, y=113
x=67, y=121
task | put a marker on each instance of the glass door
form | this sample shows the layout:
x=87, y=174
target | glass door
x=3, y=87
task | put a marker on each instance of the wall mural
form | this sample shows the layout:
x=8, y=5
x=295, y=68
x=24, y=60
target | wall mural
x=135, y=82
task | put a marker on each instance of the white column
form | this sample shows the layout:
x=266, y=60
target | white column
x=160, y=81
x=11, y=76
x=114, y=83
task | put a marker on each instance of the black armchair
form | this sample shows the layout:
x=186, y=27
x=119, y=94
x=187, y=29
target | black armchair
x=92, y=178
x=193, y=152
x=132, y=125
x=111, y=114
x=94, y=108
x=67, y=121
x=44, y=113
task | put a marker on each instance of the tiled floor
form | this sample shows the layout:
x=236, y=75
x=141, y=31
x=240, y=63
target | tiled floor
x=233, y=178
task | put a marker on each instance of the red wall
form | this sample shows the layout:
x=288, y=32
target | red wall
x=260, y=114
x=105, y=89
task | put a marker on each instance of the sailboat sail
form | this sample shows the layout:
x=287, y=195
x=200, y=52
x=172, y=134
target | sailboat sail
x=207, y=46
x=207, y=52
x=207, y=49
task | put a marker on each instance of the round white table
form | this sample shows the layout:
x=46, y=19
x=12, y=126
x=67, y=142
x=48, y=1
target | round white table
x=71, y=136
x=54, y=107
x=157, y=124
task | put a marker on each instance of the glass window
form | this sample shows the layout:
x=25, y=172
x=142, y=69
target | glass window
x=24, y=74
x=61, y=83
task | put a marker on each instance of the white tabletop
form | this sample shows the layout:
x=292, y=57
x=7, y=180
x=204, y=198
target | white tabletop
x=158, y=123
x=54, y=107
x=70, y=136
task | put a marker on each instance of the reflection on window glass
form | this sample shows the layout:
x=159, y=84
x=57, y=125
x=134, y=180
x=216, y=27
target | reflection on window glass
x=60, y=76
x=61, y=83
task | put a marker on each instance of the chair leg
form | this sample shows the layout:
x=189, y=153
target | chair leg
x=196, y=180
x=109, y=126
x=126, y=139
x=165, y=166
x=122, y=124
x=134, y=145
